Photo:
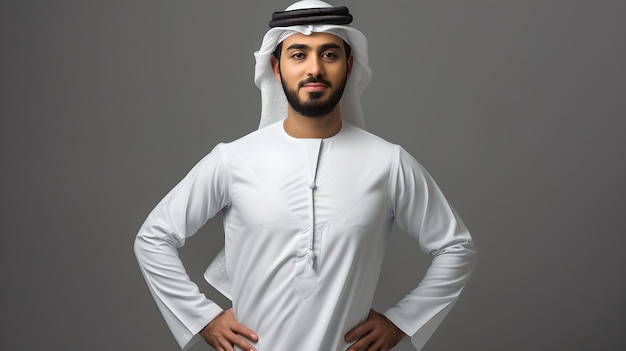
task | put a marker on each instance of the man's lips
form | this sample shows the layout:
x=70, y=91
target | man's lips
x=314, y=86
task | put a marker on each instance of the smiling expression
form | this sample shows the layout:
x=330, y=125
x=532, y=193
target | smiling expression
x=313, y=71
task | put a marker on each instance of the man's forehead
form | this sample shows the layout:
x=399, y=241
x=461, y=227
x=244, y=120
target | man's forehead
x=313, y=39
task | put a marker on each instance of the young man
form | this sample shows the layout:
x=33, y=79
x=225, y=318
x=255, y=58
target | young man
x=308, y=200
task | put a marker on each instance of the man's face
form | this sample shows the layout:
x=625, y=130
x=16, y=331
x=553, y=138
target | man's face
x=313, y=71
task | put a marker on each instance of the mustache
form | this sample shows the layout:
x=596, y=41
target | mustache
x=314, y=80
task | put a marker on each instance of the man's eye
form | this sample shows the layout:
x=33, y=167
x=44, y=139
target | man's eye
x=329, y=55
x=298, y=56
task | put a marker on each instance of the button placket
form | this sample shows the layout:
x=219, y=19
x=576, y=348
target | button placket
x=307, y=281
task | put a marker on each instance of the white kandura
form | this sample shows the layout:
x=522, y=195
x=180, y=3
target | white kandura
x=306, y=225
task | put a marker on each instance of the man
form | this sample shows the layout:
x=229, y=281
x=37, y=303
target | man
x=308, y=200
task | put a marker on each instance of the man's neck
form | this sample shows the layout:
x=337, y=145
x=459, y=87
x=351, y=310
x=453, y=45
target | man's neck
x=299, y=126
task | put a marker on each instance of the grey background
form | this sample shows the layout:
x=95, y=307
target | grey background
x=516, y=108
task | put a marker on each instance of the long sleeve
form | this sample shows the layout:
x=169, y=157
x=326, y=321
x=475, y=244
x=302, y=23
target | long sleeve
x=421, y=210
x=198, y=197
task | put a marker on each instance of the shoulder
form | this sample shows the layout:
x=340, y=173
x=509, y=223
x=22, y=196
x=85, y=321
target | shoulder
x=257, y=138
x=368, y=143
x=385, y=152
x=355, y=133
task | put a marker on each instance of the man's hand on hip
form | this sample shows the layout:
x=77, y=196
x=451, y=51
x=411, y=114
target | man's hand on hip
x=223, y=332
x=376, y=333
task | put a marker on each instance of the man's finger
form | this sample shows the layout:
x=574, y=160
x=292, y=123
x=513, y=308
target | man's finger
x=361, y=329
x=242, y=343
x=358, y=332
x=245, y=332
x=362, y=344
x=224, y=332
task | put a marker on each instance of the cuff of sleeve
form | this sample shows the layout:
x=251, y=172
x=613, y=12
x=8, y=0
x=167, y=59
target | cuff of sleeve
x=418, y=336
x=189, y=338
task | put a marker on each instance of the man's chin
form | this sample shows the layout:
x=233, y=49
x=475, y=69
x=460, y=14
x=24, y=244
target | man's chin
x=314, y=97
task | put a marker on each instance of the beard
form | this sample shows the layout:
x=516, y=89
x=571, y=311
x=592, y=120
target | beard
x=314, y=106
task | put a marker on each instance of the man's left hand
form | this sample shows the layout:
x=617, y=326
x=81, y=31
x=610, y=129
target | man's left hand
x=377, y=333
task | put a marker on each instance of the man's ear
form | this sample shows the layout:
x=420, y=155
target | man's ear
x=276, y=68
x=350, y=62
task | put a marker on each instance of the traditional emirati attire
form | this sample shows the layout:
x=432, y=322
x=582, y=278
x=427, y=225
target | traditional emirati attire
x=306, y=224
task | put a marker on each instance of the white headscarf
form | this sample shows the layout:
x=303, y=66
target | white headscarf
x=273, y=100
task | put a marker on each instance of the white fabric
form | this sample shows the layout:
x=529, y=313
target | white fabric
x=306, y=224
x=273, y=100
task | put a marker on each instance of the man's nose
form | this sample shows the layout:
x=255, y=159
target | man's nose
x=315, y=67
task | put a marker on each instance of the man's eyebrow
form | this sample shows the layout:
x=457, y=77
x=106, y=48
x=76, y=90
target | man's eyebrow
x=305, y=47
x=330, y=46
x=299, y=47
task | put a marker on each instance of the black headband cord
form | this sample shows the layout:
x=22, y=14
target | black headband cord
x=324, y=15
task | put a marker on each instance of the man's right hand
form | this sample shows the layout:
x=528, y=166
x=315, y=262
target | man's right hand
x=224, y=332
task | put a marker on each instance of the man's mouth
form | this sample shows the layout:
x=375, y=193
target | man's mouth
x=314, y=86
